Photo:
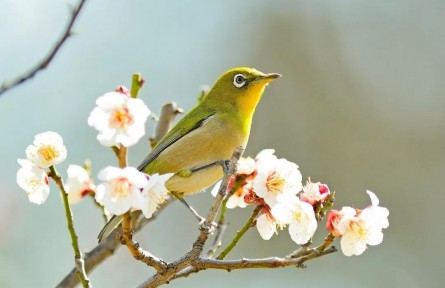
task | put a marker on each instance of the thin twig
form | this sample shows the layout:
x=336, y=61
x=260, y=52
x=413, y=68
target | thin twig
x=47, y=60
x=136, y=84
x=137, y=252
x=79, y=261
x=169, y=112
x=104, y=250
x=240, y=233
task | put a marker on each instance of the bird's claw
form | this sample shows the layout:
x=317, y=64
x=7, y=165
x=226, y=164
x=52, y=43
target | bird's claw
x=228, y=167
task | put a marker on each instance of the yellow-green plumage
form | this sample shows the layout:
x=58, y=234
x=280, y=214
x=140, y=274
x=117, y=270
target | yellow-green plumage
x=210, y=132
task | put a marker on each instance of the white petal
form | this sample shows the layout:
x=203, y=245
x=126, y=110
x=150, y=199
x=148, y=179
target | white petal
x=265, y=226
x=374, y=199
x=375, y=237
x=352, y=244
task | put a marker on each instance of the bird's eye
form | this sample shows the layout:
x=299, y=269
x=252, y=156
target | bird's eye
x=239, y=80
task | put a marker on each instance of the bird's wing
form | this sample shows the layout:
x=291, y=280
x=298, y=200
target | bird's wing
x=186, y=125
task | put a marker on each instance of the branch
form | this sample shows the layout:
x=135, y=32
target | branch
x=79, y=262
x=137, y=252
x=240, y=233
x=105, y=249
x=47, y=60
x=169, y=112
x=193, y=255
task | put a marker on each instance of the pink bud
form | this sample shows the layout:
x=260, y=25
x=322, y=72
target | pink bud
x=123, y=90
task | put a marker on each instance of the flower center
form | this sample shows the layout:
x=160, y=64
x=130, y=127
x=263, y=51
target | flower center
x=121, y=118
x=358, y=229
x=275, y=184
x=48, y=152
x=120, y=187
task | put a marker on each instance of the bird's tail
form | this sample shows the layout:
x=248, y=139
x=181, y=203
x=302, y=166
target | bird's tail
x=109, y=227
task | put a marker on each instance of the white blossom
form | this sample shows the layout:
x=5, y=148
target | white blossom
x=121, y=190
x=119, y=119
x=363, y=228
x=277, y=179
x=78, y=183
x=34, y=181
x=266, y=226
x=154, y=193
x=300, y=216
x=314, y=193
x=47, y=150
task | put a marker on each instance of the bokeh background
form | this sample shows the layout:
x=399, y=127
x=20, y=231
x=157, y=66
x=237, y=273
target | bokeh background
x=361, y=106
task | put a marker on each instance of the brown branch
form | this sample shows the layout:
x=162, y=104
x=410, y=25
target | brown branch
x=137, y=252
x=193, y=255
x=105, y=249
x=169, y=112
x=47, y=60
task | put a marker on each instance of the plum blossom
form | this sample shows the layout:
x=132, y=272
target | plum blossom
x=154, y=193
x=241, y=183
x=277, y=179
x=267, y=225
x=359, y=228
x=119, y=118
x=34, y=181
x=121, y=190
x=314, y=193
x=78, y=184
x=47, y=150
x=300, y=216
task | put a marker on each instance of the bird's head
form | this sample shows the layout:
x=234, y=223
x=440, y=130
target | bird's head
x=240, y=87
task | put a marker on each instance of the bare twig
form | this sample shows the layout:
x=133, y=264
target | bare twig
x=137, y=252
x=169, y=112
x=47, y=60
x=79, y=262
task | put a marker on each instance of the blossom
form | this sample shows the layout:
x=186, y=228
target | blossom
x=300, y=216
x=47, y=150
x=359, y=228
x=119, y=119
x=267, y=225
x=277, y=179
x=314, y=193
x=240, y=185
x=78, y=184
x=34, y=181
x=154, y=193
x=121, y=190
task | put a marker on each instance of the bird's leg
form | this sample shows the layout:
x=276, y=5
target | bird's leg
x=226, y=165
x=202, y=225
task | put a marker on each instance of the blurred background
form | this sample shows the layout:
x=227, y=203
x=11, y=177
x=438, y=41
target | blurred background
x=361, y=106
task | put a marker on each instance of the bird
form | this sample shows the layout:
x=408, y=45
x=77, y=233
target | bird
x=196, y=148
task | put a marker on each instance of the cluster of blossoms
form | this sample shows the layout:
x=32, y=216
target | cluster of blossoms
x=276, y=185
x=120, y=121
x=358, y=227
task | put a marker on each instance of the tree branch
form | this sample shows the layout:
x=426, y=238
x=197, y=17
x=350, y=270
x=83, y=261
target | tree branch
x=137, y=252
x=193, y=255
x=47, y=60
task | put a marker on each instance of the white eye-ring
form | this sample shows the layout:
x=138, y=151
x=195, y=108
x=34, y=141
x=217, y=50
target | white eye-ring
x=239, y=80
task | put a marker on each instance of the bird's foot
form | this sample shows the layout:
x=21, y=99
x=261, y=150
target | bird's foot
x=228, y=167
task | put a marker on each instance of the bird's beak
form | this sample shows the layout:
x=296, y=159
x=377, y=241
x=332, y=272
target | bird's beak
x=268, y=77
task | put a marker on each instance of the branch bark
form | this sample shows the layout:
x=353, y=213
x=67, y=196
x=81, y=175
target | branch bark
x=47, y=60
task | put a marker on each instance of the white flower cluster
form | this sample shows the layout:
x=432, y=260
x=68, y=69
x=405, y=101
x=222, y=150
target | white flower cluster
x=273, y=183
x=47, y=150
x=120, y=120
x=358, y=228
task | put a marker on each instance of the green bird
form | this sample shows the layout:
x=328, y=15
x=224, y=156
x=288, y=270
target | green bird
x=206, y=136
